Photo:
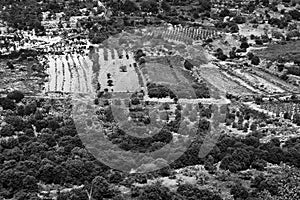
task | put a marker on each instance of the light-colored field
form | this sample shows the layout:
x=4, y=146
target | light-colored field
x=247, y=30
x=276, y=81
x=223, y=83
x=70, y=73
x=262, y=83
x=73, y=73
x=126, y=81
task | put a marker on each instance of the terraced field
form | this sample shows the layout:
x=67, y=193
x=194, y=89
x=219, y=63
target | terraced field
x=185, y=35
x=241, y=80
x=112, y=65
x=223, y=83
x=276, y=81
x=71, y=73
x=76, y=73
x=260, y=82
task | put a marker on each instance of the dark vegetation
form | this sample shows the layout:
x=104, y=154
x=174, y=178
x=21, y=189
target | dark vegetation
x=159, y=91
x=52, y=152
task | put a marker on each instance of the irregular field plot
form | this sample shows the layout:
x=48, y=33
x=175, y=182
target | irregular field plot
x=22, y=77
x=291, y=51
x=277, y=81
x=221, y=82
x=69, y=73
x=256, y=80
x=159, y=72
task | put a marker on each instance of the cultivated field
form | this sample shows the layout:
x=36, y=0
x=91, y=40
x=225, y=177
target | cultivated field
x=168, y=71
x=223, y=83
x=120, y=67
x=275, y=80
x=165, y=41
x=290, y=51
x=71, y=73
x=184, y=35
x=76, y=73
x=259, y=82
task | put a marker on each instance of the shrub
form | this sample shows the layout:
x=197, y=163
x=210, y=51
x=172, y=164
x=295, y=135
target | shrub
x=239, y=192
x=191, y=192
x=149, y=6
x=15, y=95
x=255, y=60
x=30, y=108
x=165, y=6
x=130, y=6
x=188, y=65
x=7, y=104
x=7, y=130
x=16, y=121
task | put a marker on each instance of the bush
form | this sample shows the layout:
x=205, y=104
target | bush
x=7, y=130
x=15, y=95
x=244, y=45
x=255, y=60
x=296, y=119
x=258, y=42
x=239, y=192
x=30, y=108
x=149, y=6
x=7, y=104
x=16, y=121
x=155, y=191
x=239, y=19
x=295, y=14
x=193, y=193
x=204, y=5
x=188, y=65
x=201, y=90
x=159, y=91
x=234, y=28
x=225, y=12
x=165, y=6
x=130, y=7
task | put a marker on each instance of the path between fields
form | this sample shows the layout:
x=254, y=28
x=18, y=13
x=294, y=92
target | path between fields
x=191, y=101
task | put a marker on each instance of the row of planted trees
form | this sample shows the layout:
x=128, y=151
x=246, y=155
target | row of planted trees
x=289, y=111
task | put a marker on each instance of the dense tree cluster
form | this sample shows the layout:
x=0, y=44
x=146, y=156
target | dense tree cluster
x=142, y=145
x=150, y=6
x=38, y=147
x=193, y=193
x=159, y=91
x=24, y=15
x=220, y=55
x=242, y=154
x=47, y=149
x=156, y=191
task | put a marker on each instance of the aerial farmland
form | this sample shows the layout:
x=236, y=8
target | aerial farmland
x=149, y=100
